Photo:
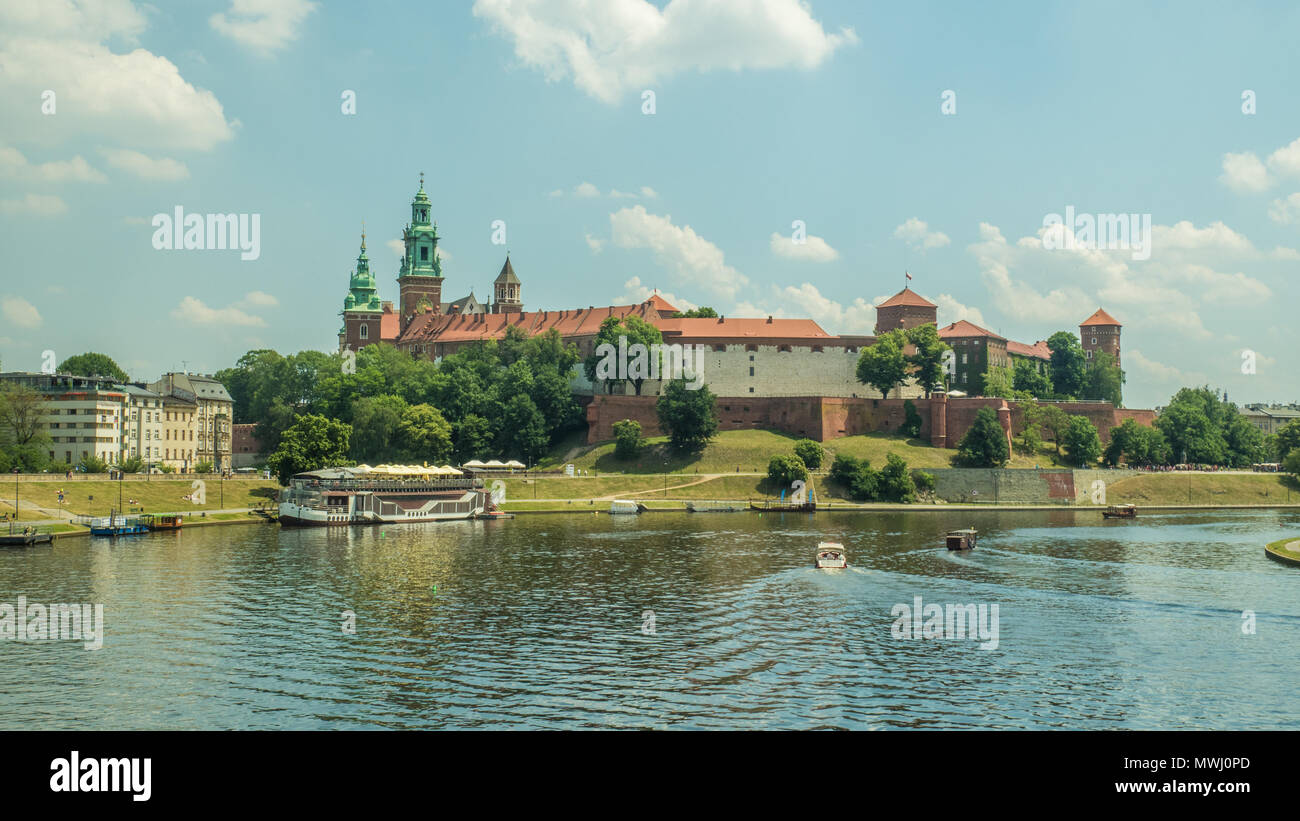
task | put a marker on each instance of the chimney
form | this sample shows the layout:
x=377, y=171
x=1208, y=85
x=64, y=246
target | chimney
x=769, y=319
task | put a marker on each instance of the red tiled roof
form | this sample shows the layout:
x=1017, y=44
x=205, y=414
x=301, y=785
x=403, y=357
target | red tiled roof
x=741, y=328
x=1038, y=350
x=390, y=325
x=962, y=329
x=660, y=304
x=907, y=297
x=431, y=327
x=1100, y=318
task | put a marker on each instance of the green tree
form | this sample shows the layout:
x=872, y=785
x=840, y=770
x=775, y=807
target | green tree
x=523, y=431
x=312, y=442
x=1193, y=425
x=883, y=365
x=1104, y=380
x=205, y=466
x=423, y=435
x=1069, y=364
x=1055, y=422
x=1082, y=443
x=810, y=452
x=375, y=424
x=1136, y=445
x=22, y=423
x=131, y=464
x=92, y=464
x=782, y=469
x=702, y=312
x=92, y=364
x=896, y=483
x=1286, y=440
x=687, y=416
x=999, y=381
x=627, y=439
x=1291, y=464
x=1029, y=380
x=927, y=358
x=473, y=436
x=912, y=420
x=856, y=476
x=601, y=367
x=985, y=444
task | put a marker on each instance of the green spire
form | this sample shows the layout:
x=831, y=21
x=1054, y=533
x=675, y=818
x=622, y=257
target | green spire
x=421, y=239
x=363, y=293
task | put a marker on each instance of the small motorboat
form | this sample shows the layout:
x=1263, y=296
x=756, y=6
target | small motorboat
x=961, y=539
x=168, y=521
x=830, y=556
x=1120, y=512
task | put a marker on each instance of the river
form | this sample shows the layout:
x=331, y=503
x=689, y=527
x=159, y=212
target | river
x=667, y=620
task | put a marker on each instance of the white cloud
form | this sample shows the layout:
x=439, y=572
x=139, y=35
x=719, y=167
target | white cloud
x=634, y=293
x=15, y=166
x=1287, y=210
x=192, y=311
x=649, y=193
x=1159, y=372
x=1244, y=173
x=917, y=234
x=135, y=97
x=144, y=166
x=19, y=312
x=950, y=311
x=616, y=46
x=812, y=249
x=586, y=189
x=264, y=26
x=397, y=247
x=693, y=258
x=259, y=299
x=594, y=243
x=1286, y=160
x=36, y=205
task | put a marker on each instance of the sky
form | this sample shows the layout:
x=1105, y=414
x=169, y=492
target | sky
x=630, y=146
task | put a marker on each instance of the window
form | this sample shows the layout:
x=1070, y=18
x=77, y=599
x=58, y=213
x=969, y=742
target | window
x=751, y=390
x=963, y=359
x=424, y=254
x=1094, y=340
x=365, y=331
x=751, y=372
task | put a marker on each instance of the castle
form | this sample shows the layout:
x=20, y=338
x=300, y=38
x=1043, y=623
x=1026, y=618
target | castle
x=748, y=358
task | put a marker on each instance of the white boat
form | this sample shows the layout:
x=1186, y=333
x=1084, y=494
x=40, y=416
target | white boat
x=387, y=494
x=830, y=556
x=625, y=506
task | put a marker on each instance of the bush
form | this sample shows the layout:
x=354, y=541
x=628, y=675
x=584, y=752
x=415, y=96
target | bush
x=924, y=481
x=1292, y=463
x=92, y=464
x=811, y=452
x=911, y=420
x=895, y=480
x=165, y=468
x=856, y=476
x=627, y=439
x=131, y=464
x=203, y=467
x=783, y=469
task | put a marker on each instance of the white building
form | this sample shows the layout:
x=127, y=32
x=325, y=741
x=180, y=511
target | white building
x=143, y=431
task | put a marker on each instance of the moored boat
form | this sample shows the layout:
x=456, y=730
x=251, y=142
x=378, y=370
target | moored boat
x=1120, y=512
x=385, y=494
x=830, y=556
x=26, y=537
x=961, y=539
x=115, y=524
x=625, y=506
x=163, y=521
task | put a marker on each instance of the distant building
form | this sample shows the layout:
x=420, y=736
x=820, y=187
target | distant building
x=905, y=309
x=1270, y=418
x=212, y=412
x=1100, y=333
x=83, y=415
x=246, y=449
x=975, y=350
x=142, y=435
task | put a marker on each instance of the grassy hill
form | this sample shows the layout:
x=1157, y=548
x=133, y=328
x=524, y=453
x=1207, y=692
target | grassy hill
x=157, y=494
x=748, y=451
x=1204, y=489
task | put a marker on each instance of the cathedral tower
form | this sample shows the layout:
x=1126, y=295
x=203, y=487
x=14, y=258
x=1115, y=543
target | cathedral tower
x=505, y=291
x=362, y=307
x=420, y=278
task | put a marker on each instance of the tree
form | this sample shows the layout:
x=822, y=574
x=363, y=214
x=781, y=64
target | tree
x=883, y=365
x=1201, y=428
x=423, y=435
x=375, y=420
x=22, y=412
x=1291, y=464
x=985, y=444
x=1069, y=364
x=927, y=361
x=92, y=364
x=783, y=469
x=1030, y=440
x=627, y=439
x=92, y=464
x=131, y=464
x=312, y=442
x=1082, y=442
x=999, y=381
x=628, y=331
x=204, y=466
x=1055, y=422
x=896, y=483
x=1136, y=445
x=473, y=435
x=912, y=420
x=1104, y=380
x=523, y=429
x=811, y=453
x=688, y=416
x=703, y=312
x=1031, y=381
x=1288, y=439
x=856, y=476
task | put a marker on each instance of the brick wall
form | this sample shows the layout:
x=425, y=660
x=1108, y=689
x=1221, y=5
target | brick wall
x=829, y=417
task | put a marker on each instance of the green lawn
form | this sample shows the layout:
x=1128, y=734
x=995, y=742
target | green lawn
x=748, y=451
x=157, y=494
x=1280, y=547
x=1204, y=489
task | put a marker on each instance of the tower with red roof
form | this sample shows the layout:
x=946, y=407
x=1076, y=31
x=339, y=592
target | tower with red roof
x=905, y=309
x=1100, y=333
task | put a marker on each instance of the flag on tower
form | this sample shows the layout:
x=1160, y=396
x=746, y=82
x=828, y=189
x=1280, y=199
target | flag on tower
x=906, y=274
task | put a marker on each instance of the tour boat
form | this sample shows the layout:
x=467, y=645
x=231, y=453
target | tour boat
x=809, y=506
x=163, y=521
x=116, y=524
x=385, y=494
x=1120, y=512
x=830, y=556
x=625, y=506
x=961, y=539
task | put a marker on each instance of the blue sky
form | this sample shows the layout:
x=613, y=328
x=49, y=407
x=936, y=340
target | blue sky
x=766, y=112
